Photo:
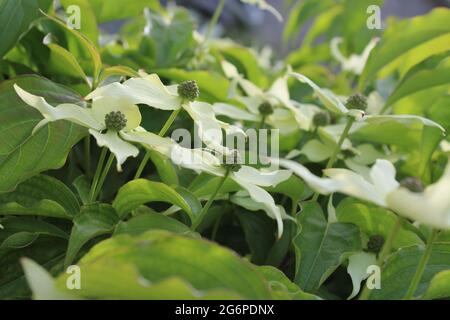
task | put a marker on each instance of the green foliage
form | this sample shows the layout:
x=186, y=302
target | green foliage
x=16, y=17
x=401, y=266
x=321, y=246
x=25, y=155
x=156, y=258
x=138, y=192
x=195, y=230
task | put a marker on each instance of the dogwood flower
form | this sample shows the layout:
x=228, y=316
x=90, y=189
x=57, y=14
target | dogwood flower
x=250, y=179
x=430, y=206
x=263, y=5
x=108, y=121
x=277, y=96
x=335, y=105
x=355, y=63
x=329, y=100
x=149, y=90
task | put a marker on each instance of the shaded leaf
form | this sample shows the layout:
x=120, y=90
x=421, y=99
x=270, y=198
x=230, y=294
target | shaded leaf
x=152, y=266
x=373, y=220
x=23, y=155
x=94, y=220
x=145, y=222
x=321, y=246
x=141, y=191
x=401, y=266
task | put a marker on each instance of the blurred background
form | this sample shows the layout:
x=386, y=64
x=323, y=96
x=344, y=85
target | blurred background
x=264, y=29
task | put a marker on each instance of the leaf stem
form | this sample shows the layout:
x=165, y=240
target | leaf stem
x=332, y=160
x=103, y=176
x=87, y=156
x=387, y=247
x=421, y=267
x=214, y=20
x=208, y=204
x=161, y=133
x=98, y=171
x=262, y=123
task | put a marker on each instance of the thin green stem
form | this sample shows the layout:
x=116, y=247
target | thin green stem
x=161, y=133
x=208, y=204
x=142, y=165
x=387, y=248
x=262, y=123
x=98, y=171
x=216, y=227
x=421, y=267
x=169, y=122
x=294, y=208
x=214, y=20
x=87, y=156
x=103, y=176
x=334, y=155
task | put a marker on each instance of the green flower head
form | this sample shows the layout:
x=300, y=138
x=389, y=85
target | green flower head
x=115, y=120
x=189, y=90
x=357, y=101
x=375, y=243
x=413, y=184
x=265, y=108
x=321, y=119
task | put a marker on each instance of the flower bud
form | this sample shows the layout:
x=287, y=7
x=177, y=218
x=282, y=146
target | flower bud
x=413, y=184
x=356, y=101
x=321, y=119
x=265, y=109
x=188, y=90
x=115, y=120
x=375, y=243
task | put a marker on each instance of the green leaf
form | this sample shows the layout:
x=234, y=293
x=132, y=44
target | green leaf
x=172, y=39
x=293, y=187
x=244, y=59
x=42, y=196
x=21, y=232
x=117, y=71
x=94, y=220
x=321, y=247
x=45, y=208
x=281, y=247
x=403, y=37
x=439, y=286
x=85, y=43
x=401, y=266
x=259, y=233
x=300, y=13
x=83, y=186
x=23, y=155
x=16, y=17
x=88, y=21
x=165, y=168
x=392, y=133
x=421, y=80
x=62, y=62
x=163, y=265
x=373, y=220
x=141, y=191
x=47, y=251
x=204, y=185
x=283, y=288
x=145, y=222
x=14, y=225
x=115, y=10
